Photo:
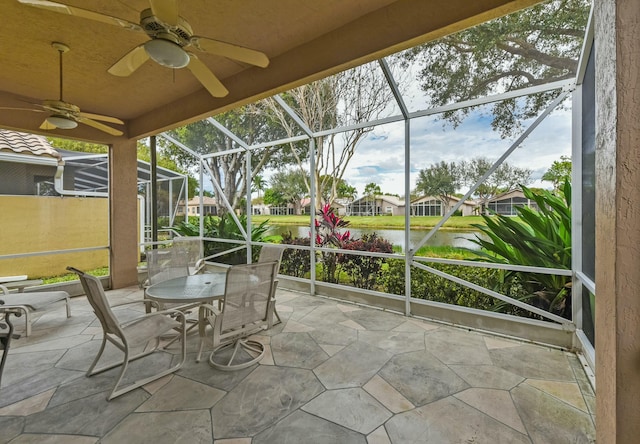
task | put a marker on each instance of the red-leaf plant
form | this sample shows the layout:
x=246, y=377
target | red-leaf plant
x=327, y=234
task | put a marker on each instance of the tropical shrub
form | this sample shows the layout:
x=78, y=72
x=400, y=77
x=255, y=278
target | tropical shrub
x=363, y=271
x=426, y=285
x=540, y=238
x=295, y=262
x=224, y=227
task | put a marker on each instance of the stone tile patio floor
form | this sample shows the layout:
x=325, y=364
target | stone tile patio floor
x=333, y=373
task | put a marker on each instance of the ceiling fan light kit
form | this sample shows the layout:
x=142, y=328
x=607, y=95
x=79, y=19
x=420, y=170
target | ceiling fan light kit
x=61, y=122
x=167, y=53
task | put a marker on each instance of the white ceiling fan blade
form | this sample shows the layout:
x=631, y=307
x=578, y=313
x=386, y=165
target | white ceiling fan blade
x=47, y=126
x=101, y=118
x=206, y=77
x=165, y=10
x=100, y=126
x=240, y=53
x=130, y=62
x=84, y=13
x=22, y=109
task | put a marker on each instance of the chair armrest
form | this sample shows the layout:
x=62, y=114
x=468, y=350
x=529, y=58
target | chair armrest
x=4, y=289
x=199, y=266
x=208, y=308
x=144, y=301
x=168, y=312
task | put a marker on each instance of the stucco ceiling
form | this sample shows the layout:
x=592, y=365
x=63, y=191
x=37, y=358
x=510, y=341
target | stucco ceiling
x=304, y=40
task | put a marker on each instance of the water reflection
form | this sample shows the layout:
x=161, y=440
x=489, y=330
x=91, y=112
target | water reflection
x=458, y=239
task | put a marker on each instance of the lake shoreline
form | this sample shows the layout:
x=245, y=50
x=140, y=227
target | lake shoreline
x=421, y=223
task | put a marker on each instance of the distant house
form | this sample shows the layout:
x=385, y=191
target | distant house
x=339, y=206
x=433, y=206
x=506, y=203
x=286, y=210
x=376, y=206
x=209, y=206
x=272, y=210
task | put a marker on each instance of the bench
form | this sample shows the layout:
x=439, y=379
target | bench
x=33, y=301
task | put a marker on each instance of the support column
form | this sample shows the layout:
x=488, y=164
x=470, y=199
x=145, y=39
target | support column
x=123, y=214
x=617, y=33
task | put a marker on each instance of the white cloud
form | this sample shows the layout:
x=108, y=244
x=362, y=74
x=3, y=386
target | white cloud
x=380, y=157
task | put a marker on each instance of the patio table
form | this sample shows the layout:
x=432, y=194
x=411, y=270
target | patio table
x=198, y=288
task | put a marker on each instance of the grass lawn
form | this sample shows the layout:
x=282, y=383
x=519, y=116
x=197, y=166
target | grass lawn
x=397, y=222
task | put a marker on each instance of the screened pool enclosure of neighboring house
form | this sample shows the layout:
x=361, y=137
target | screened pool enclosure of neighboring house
x=60, y=199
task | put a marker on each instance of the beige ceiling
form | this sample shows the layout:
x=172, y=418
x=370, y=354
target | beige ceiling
x=304, y=40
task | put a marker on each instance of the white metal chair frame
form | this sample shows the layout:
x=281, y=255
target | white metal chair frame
x=133, y=333
x=247, y=308
x=6, y=333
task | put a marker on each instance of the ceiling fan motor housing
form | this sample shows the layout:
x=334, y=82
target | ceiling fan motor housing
x=180, y=34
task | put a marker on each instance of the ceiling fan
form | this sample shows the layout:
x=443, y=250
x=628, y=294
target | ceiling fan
x=65, y=115
x=170, y=35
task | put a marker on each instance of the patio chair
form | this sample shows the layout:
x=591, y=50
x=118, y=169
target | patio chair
x=27, y=302
x=162, y=265
x=247, y=308
x=192, y=246
x=270, y=253
x=130, y=335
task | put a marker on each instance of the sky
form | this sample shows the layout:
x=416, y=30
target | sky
x=380, y=157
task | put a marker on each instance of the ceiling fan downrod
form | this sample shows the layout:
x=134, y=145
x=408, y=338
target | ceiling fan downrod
x=62, y=48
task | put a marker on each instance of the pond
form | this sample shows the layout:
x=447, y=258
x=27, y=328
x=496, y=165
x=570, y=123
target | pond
x=457, y=238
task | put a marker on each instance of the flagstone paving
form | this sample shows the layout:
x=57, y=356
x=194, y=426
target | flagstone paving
x=333, y=373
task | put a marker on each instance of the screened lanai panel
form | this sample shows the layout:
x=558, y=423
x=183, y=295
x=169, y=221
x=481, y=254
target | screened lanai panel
x=377, y=158
x=352, y=97
x=529, y=48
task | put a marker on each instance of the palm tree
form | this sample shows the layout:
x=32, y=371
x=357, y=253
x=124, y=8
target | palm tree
x=258, y=184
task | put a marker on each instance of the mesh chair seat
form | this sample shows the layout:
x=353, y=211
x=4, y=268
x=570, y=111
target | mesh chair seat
x=270, y=253
x=142, y=330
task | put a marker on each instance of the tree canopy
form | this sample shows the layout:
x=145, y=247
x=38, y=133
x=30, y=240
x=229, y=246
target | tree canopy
x=76, y=145
x=559, y=172
x=531, y=47
x=287, y=187
x=372, y=189
x=440, y=179
x=504, y=178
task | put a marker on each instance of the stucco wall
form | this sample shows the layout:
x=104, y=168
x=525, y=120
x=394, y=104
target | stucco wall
x=617, y=32
x=39, y=223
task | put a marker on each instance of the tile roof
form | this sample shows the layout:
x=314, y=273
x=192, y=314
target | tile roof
x=206, y=200
x=28, y=144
